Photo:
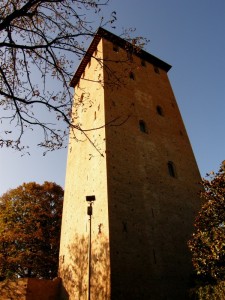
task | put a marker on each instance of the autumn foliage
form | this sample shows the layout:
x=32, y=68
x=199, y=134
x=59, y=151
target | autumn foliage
x=208, y=242
x=30, y=222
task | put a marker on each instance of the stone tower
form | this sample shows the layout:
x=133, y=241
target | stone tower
x=135, y=158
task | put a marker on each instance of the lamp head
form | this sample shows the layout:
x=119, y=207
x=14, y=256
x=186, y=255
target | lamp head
x=90, y=198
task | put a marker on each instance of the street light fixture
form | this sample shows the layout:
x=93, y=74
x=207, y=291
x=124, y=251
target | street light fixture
x=90, y=200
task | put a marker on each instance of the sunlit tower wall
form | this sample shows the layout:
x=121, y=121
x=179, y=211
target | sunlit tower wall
x=135, y=157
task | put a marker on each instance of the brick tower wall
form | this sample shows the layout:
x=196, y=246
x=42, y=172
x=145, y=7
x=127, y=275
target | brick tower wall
x=151, y=213
x=85, y=176
x=144, y=212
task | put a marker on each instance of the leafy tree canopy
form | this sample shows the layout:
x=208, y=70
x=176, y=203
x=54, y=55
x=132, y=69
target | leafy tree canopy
x=207, y=244
x=30, y=222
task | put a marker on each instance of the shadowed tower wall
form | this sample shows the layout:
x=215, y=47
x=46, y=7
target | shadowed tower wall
x=143, y=173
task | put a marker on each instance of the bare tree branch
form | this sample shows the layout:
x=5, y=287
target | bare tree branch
x=39, y=42
x=36, y=37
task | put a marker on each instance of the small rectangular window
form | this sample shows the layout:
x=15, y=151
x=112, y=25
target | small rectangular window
x=143, y=63
x=132, y=75
x=115, y=48
x=159, y=110
x=81, y=98
x=156, y=69
x=171, y=169
x=142, y=126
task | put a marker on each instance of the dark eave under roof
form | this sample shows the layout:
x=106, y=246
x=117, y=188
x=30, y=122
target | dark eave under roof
x=102, y=33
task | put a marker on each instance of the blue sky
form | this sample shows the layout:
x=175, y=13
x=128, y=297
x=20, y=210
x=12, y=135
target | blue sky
x=189, y=35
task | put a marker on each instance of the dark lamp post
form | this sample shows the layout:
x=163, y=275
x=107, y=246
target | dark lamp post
x=90, y=200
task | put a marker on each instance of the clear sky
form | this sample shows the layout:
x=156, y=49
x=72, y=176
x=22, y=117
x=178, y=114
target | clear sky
x=189, y=35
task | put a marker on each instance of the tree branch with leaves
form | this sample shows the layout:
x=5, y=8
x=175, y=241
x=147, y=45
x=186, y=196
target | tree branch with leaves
x=30, y=225
x=207, y=244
